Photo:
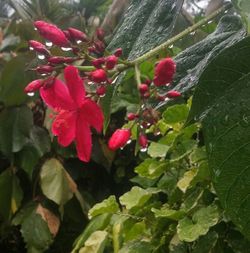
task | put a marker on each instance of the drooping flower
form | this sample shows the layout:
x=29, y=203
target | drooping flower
x=76, y=113
x=119, y=139
x=52, y=33
x=164, y=72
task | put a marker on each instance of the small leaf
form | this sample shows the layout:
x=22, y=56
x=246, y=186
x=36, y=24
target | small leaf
x=185, y=181
x=206, y=243
x=171, y=214
x=55, y=182
x=190, y=230
x=137, y=247
x=95, y=243
x=175, y=114
x=135, y=197
x=151, y=168
x=157, y=149
x=108, y=205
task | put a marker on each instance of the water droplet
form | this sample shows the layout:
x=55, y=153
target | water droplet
x=203, y=25
x=129, y=141
x=225, y=120
x=192, y=33
x=78, y=41
x=101, y=96
x=30, y=94
x=171, y=46
x=41, y=56
x=48, y=43
x=31, y=48
x=66, y=49
x=210, y=21
x=166, y=99
x=245, y=121
x=157, y=133
x=143, y=149
x=35, y=29
x=226, y=11
x=122, y=148
x=210, y=146
x=44, y=74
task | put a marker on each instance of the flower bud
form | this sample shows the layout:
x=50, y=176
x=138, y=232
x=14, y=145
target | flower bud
x=143, y=88
x=119, y=139
x=131, y=116
x=173, y=94
x=38, y=47
x=143, y=141
x=60, y=60
x=148, y=81
x=111, y=61
x=164, y=72
x=118, y=52
x=100, y=91
x=77, y=35
x=97, y=63
x=98, y=76
x=100, y=34
x=146, y=95
x=52, y=33
x=99, y=45
x=33, y=86
x=44, y=69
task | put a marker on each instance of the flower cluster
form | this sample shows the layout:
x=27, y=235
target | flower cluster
x=74, y=100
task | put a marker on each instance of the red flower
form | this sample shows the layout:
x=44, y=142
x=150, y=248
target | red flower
x=52, y=33
x=143, y=141
x=164, y=72
x=33, y=86
x=38, y=47
x=76, y=113
x=119, y=139
x=77, y=35
x=118, y=52
x=100, y=33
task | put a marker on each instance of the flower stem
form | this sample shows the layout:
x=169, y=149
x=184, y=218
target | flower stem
x=86, y=68
x=187, y=31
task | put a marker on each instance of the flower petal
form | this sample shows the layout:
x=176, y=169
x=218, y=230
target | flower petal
x=75, y=84
x=64, y=126
x=92, y=113
x=57, y=96
x=83, y=139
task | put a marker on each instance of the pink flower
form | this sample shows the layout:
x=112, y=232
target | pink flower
x=76, y=113
x=119, y=139
x=38, y=47
x=164, y=72
x=143, y=141
x=77, y=35
x=173, y=94
x=118, y=52
x=33, y=86
x=52, y=33
x=98, y=76
x=111, y=61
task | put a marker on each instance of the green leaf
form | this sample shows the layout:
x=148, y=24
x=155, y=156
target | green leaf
x=36, y=233
x=175, y=114
x=108, y=205
x=99, y=222
x=187, y=178
x=137, y=247
x=190, y=230
x=11, y=194
x=206, y=243
x=244, y=7
x=156, y=149
x=15, y=126
x=55, y=183
x=146, y=24
x=151, y=168
x=95, y=243
x=136, y=197
x=135, y=231
x=14, y=78
x=168, y=213
x=222, y=100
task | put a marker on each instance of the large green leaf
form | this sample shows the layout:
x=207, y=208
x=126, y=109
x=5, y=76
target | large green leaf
x=244, y=7
x=56, y=182
x=222, y=101
x=146, y=24
x=13, y=80
x=15, y=126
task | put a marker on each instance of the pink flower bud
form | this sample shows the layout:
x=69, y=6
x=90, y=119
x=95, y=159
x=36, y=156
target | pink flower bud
x=100, y=34
x=97, y=63
x=92, y=50
x=143, y=88
x=148, y=81
x=118, y=52
x=100, y=46
x=143, y=141
x=33, y=86
x=98, y=76
x=111, y=61
x=52, y=33
x=131, y=116
x=100, y=91
x=44, y=69
x=164, y=72
x=173, y=94
x=146, y=94
x=60, y=60
x=119, y=139
x=77, y=35
x=38, y=47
